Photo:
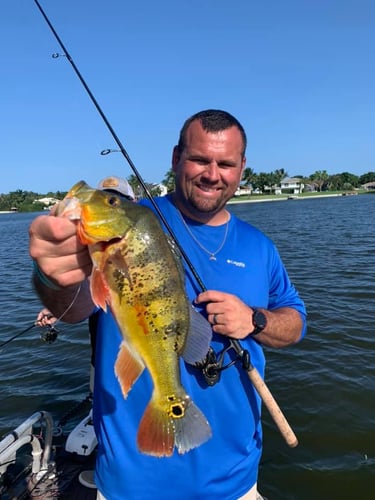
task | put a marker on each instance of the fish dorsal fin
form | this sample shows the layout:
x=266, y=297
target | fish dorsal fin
x=198, y=339
x=99, y=289
x=128, y=368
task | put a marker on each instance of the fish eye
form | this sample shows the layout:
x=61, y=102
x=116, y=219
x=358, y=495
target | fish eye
x=113, y=201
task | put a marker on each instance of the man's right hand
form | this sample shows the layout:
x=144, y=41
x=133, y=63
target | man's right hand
x=55, y=247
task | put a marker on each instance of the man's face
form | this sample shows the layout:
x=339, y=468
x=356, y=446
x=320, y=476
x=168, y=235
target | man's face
x=209, y=169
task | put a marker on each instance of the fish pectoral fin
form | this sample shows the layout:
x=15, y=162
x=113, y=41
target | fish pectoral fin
x=198, y=339
x=99, y=289
x=128, y=368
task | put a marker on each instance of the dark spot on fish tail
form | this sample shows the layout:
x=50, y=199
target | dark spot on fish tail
x=172, y=398
x=177, y=411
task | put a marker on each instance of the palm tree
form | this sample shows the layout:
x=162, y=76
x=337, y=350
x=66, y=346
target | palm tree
x=248, y=176
x=320, y=177
x=280, y=174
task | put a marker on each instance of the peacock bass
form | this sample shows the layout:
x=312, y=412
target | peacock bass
x=137, y=273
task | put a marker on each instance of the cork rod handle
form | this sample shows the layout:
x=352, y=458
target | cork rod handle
x=273, y=408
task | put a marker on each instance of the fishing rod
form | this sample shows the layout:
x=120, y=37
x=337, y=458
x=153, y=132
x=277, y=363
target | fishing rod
x=49, y=336
x=119, y=144
x=242, y=354
x=17, y=335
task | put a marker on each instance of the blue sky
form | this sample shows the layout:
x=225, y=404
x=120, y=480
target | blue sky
x=298, y=74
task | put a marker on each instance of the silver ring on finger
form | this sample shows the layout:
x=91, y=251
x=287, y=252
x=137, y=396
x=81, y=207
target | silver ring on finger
x=215, y=319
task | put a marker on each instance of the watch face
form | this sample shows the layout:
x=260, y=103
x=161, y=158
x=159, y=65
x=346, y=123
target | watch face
x=259, y=320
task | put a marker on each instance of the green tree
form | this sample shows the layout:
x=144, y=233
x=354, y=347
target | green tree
x=278, y=175
x=169, y=180
x=369, y=177
x=320, y=177
x=334, y=182
x=263, y=179
x=154, y=189
x=248, y=176
x=350, y=180
x=136, y=186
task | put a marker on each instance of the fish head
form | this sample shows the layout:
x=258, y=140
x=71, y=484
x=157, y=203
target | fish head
x=102, y=216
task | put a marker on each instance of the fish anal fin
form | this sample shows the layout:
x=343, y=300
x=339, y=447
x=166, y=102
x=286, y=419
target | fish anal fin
x=198, y=339
x=128, y=368
x=156, y=432
x=99, y=289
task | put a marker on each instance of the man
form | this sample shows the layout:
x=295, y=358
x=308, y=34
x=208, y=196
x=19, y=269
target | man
x=248, y=296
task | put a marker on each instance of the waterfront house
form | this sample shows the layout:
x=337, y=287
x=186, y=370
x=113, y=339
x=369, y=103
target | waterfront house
x=290, y=185
x=369, y=186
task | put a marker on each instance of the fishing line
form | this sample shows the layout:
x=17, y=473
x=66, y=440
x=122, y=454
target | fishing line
x=120, y=145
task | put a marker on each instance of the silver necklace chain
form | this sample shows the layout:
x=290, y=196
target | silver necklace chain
x=212, y=255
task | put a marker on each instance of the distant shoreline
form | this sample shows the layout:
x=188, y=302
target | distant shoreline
x=261, y=199
x=289, y=198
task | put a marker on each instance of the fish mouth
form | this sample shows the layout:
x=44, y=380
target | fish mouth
x=87, y=237
x=69, y=208
x=71, y=205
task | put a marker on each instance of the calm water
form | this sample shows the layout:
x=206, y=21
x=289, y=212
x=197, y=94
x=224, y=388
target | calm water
x=325, y=385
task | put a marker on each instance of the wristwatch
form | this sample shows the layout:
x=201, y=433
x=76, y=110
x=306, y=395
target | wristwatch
x=259, y=321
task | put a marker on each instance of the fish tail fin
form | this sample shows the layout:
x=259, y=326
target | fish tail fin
x=192, y=430
x=156, y=432
x=159, y=432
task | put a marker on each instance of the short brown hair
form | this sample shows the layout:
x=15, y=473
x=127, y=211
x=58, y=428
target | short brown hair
x=212, y=120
